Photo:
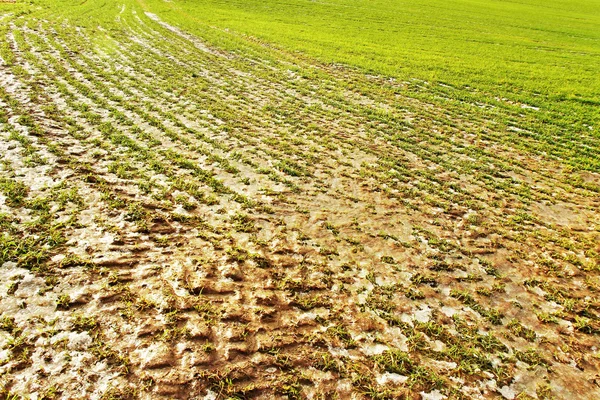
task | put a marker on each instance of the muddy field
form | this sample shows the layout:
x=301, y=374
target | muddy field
x=183, y=220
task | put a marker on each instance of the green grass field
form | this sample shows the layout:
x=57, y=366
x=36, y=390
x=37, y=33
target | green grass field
x=299, y=199
x=550, y=48
x=540, y=53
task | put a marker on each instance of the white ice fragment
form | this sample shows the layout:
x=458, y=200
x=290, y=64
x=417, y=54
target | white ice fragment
x=180, y=210
x=375, y=348
x=79, y=341
x=9, y=264
x=434, y=395
x=210, y=395
x=507, y=392
x=106, y=239
x=392, y=378
x=423, y=314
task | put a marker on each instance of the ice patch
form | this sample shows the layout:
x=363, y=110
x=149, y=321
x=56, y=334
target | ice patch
x=5, y=354
x=339, y=352
x=449, y=311
x=527, y=106
x=507, y=392
x=149, y=353
x=10, y=265
x=391, y=378
x=435, y=395
x=210, y=395
x=106, y=239
x=180, y=210
x=438, y=345
x=373, y=349
x=423, y=314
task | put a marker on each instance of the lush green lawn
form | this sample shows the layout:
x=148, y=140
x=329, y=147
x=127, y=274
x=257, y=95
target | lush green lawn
x=517, y=49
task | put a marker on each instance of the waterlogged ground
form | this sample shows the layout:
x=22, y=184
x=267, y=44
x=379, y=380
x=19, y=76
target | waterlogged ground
x=181, y=221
